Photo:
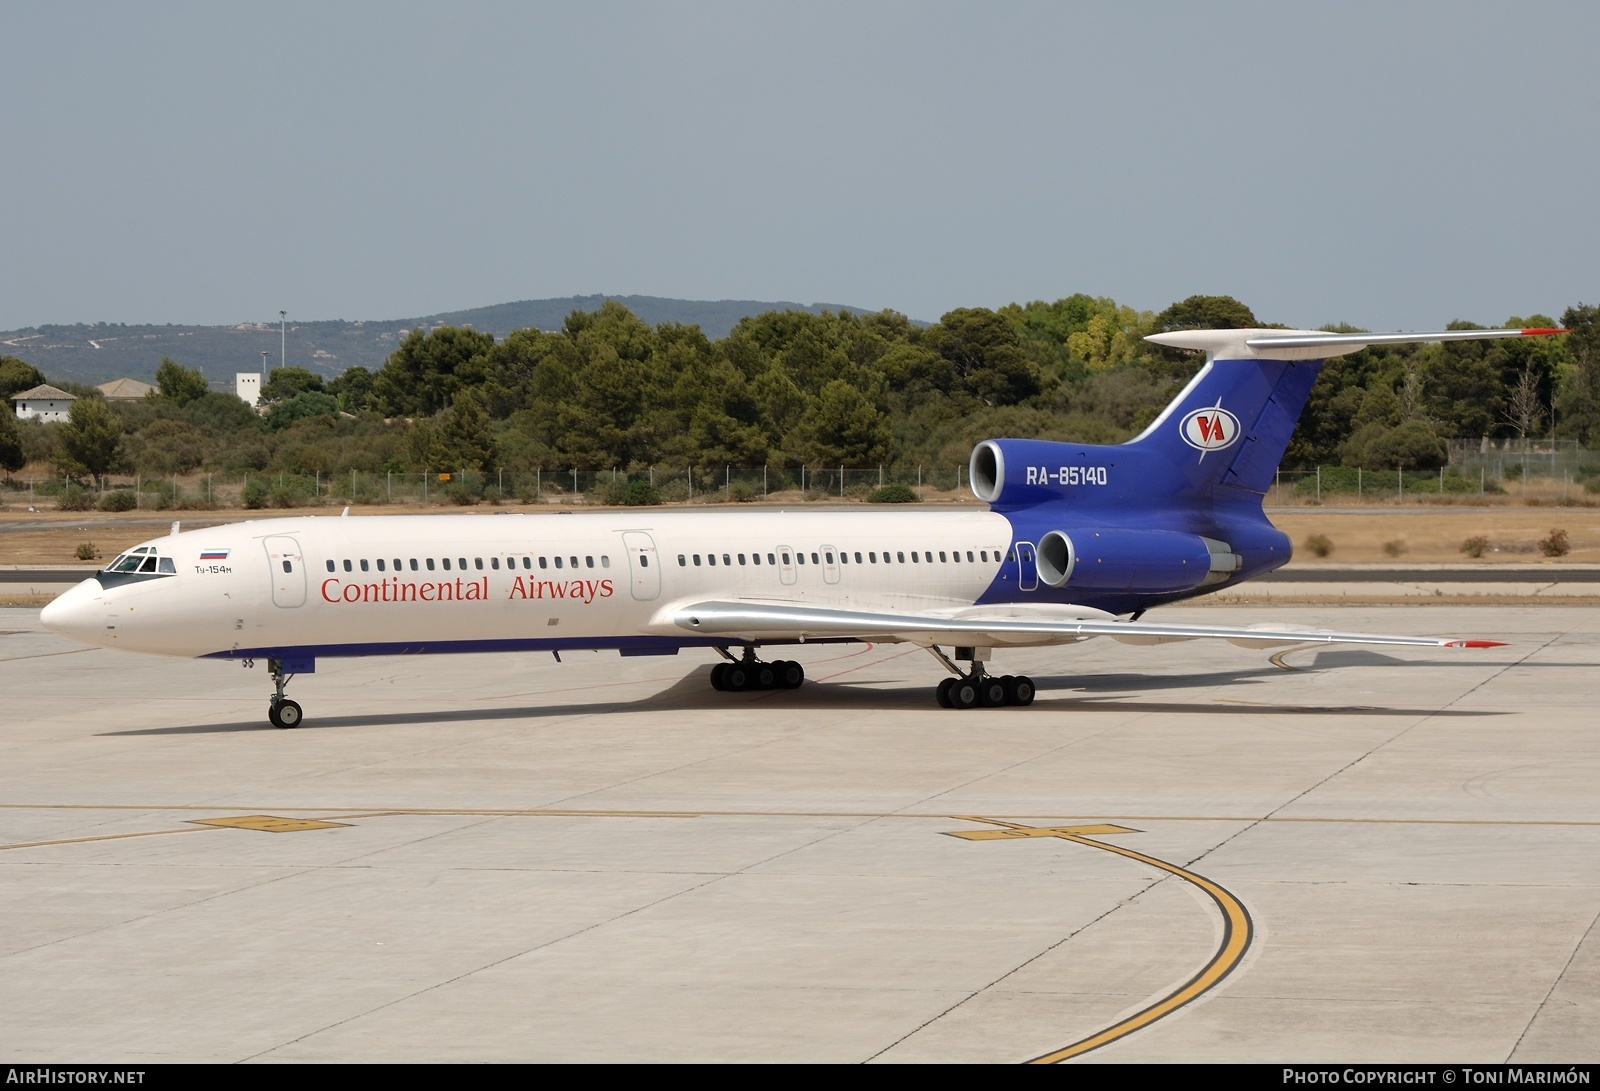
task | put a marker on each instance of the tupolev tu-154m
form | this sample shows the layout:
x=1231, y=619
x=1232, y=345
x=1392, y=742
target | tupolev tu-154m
x=1078, y=541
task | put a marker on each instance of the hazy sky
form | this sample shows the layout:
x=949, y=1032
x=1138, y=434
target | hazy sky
x=1394, y=165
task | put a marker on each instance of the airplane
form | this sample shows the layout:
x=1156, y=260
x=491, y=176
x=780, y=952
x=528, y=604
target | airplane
x=1078, y=541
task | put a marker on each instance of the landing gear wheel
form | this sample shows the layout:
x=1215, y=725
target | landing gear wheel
x=1019, y=690
x=963, y=693
x=718, y=673
x=735, y=677
x=766, y=676
x=942, y=694
x=992, y=692
x=285, y=713
x=790, y=674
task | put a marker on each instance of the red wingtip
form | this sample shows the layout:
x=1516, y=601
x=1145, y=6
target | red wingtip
x=1544, y=331
x=1476, y=644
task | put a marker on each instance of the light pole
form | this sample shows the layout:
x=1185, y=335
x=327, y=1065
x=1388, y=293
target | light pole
x=282, y=338
x=263, y=372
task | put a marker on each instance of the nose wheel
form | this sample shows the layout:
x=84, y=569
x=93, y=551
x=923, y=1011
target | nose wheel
x=281, y=711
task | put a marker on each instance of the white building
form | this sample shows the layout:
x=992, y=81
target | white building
x=247, y=384
x=43, y=403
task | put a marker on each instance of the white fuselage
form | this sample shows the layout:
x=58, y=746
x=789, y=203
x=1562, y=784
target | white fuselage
x=389, y=584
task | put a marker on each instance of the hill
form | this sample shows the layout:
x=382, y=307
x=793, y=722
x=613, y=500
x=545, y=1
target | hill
x=100, y=351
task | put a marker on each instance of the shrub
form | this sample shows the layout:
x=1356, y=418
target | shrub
x=461, y=494
x=281, y=497
x=255, y=494
x=1319, y=545
x=895, y=493
x=1475, y=546
x=742, y=492
x=86, y=551
x=76, y=498
x=1395, y=547
x=119, y=500
x=1556, y=545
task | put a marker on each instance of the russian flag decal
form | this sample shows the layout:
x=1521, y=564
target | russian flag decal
x=213, y=554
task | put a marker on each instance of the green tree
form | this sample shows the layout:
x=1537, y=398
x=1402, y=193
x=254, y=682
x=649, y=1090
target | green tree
x=180, y=384
x=422, y=376
x=12, y=456
x=311, y=403
x=290, y=382
x=88, y=439
x=1206, y=312
x=353, y=389
x=15, y=377
x=1578, y=396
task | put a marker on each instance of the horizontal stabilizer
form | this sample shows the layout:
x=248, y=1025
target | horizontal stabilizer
x=1263, y=344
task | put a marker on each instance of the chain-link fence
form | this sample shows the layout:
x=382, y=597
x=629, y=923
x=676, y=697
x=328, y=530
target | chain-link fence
x=572, y=486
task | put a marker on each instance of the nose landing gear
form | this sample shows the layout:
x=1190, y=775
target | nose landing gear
x=282, y=711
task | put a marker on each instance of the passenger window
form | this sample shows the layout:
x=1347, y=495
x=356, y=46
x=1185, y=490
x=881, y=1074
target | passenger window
x=680, y=560
x=927, y=555
x=785, y=558
x=527, y=562
x=477, y=562
x=872, y=558
x=741, y=560
x=800, y=558
x=588, y=562
x=771, y=561
x=347, y=566
x=494, y=563
x=941, y=556
x=1011, y=555
x=644, y=560
x=727, y=560
x=330, y=566
x=167, y=566
x=430, y=564
x=398, y=565
x=364, y=567
x=380, y=564
x=755, y=558
x=711, y=559
x=858, y=558
x=913, y=556
x=414, y=564
x=446, y=563
x=287, y=566
x=463, y=564
x=814, y=559
x=543, y=563
x=558, y=562
x=901, y=557
x=574, y=562
x=697, y=560
x=605, y=560
x=829, y=556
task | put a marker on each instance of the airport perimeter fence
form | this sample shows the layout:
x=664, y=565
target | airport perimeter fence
x=1551, y=470
x=564, y=487
x=1537, y=471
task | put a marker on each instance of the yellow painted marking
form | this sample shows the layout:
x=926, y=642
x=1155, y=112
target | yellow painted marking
x=1236, y=934
x=1036, y=831
x=267, y=823
x=97, y=837
x=1276, y=659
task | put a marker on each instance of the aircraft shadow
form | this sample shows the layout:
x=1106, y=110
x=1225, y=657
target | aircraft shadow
x=1059, y=694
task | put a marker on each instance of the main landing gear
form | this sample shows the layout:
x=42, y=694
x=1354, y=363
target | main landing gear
x=975, y=689
x=282, y=711
x=749, y=672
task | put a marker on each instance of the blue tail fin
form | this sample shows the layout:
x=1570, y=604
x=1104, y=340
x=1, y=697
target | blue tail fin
x=1231, y=425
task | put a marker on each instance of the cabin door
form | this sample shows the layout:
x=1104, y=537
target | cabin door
x=287, y=570
x=644, y=565
x=1027, y=567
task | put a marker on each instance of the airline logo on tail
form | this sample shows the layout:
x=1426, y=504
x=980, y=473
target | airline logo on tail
x=1210, y=429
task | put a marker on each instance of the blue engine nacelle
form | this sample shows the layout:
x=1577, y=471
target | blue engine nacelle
x=1015, y=473
x=1149, y=561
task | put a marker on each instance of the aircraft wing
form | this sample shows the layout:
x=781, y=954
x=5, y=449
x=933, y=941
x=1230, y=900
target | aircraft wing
x=970, y=626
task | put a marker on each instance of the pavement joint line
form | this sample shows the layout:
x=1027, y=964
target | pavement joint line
x=569, y=812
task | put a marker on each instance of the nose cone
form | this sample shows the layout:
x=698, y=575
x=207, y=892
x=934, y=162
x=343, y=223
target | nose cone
x=78, y=613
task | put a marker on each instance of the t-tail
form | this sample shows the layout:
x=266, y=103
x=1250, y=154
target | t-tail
x=1220, y=439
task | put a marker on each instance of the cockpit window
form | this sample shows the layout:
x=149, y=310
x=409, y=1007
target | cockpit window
x=142, y=561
